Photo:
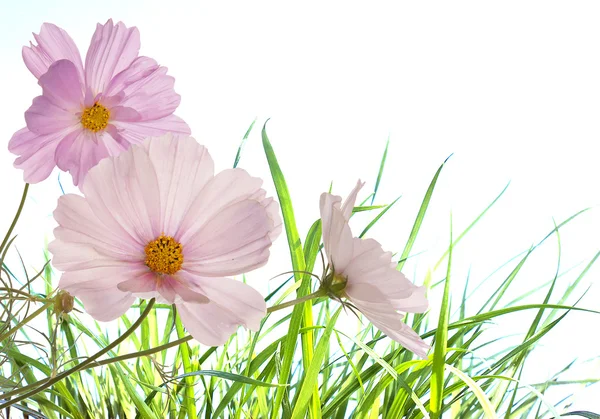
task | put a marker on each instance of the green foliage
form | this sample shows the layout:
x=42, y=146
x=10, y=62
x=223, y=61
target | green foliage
x=299, y=364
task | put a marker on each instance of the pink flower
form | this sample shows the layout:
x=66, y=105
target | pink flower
x=155, y=221
x=362, y=272
x=86, y=113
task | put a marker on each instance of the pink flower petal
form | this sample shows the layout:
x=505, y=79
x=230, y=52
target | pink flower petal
x=79, y=151
x=229, y=228
x=337, y=236
x=106, y=305
x=374, y=305
x=53, y=44
x=137, y=132
x=139, y=69
x=78, y=224
x=62, y=86
x=99, y=278
x=122, y=113
x=232, y=304
x=123, y=192
x=175, y=291
x=112, y=49
x=183, y=167
x=36, y=153
x=372, y=266
x=145, y=87
x=44, y=117
x=243, y=300
x=140, y=284
x=350, y=202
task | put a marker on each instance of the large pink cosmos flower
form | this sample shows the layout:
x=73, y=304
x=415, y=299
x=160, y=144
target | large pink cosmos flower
x=362, y=272
x=86, y=113
x=155, y=221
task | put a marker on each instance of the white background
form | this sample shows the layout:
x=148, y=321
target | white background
x=511, y=88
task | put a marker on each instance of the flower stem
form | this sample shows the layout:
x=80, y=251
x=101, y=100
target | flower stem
x=25, y=321
x=48, y=382
x=190, y=398
x=316, y=294
x=17, y=215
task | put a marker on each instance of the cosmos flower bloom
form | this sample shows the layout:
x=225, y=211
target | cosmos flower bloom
x=86, y=113
x=156, y=222
x=361, y=272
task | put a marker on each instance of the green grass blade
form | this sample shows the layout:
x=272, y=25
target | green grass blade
x=312, y=373
x=420, y=217
x=380, y=173
x=441, y=340
x=239, y=150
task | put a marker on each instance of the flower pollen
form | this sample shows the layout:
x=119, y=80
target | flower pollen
x=164, y=255
x=95, y=118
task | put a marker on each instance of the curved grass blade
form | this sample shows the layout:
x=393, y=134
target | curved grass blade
x=420, y=217
x=239, y=150
x=312, y=373
x=441, y=342
x=381, y=166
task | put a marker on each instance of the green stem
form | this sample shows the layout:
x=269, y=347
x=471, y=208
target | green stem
x=17, y=215
x=25, y=321
x=316, y=294
x=48, y=382
x=190, y=399
x=143, y=353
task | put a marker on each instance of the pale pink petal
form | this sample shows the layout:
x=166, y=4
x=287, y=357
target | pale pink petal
x=62, y=86
x=79, y=151
x=183, y=168
x=232, y=304
x=415, y=303
x=210, y=324
x=137, y=132
x=226, y=188
x=53, y=44
x=372, y=266
x=243, y=300
x=234, y=241
x=44, y=117
x=350, y=202
x=99, y=277
x=122, y=113
x=374, y=305
x=140, y=284
x=123, y=193
x=106, y=305
x=229, y=228
x=78, y=225
x=112, y=49
x=36, y=153
x=139, y=69
x=337, y=236
x=145, y=87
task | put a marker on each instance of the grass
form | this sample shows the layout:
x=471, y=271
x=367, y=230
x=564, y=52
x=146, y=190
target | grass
x=300, y=364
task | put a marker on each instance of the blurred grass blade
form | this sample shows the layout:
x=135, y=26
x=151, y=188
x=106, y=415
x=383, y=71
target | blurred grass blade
x=239, y=150
x=475, y=221
x=380, y=173
x=420, y=217
x=479, y=393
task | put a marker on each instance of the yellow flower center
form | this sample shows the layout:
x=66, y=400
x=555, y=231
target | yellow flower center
x=95, y=118
x=164, y=255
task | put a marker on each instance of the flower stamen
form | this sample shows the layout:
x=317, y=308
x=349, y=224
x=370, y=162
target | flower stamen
x=164, y=255
x=95, y=118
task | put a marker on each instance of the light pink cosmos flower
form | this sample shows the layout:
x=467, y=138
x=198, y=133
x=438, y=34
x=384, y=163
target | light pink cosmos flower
x=155, y=221
x=362, y=272
x=86, y=113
